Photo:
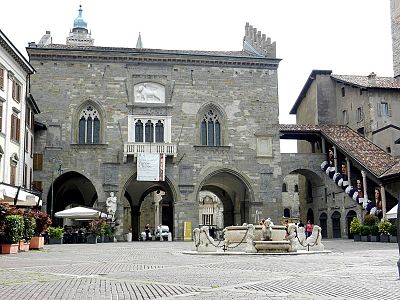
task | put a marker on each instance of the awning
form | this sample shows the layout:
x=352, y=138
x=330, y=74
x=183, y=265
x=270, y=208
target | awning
x=25, y=198
x=392, y=214
x=80, y=213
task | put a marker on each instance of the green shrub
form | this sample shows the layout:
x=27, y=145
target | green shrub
x=56, y=232
x=106, y=229
x=365, y=230
x=355, y=226
x=393, y=230
x=370, y=220
x=29, y=228
x=13, y=229
x=384, y=226
x=374, y=230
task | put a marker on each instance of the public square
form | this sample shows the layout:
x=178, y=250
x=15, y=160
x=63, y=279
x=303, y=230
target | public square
x=164, y=270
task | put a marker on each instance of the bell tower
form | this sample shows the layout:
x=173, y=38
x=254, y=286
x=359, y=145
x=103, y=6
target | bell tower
x=79, y=35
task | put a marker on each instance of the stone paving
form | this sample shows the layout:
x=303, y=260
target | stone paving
x=154, y=270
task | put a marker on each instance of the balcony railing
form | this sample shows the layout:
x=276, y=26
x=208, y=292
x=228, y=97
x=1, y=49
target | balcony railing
x=168, y=149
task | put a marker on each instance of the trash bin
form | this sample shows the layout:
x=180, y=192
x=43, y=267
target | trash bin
x=129, y=237
x=169, y=237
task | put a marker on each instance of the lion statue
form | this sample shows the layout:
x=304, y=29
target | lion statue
x=266, y=230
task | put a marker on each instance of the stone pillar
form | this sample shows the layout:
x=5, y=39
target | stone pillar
x=364, y=180
x=323, y=146
x=383, y=197
x=348, y=170
x=335, y=158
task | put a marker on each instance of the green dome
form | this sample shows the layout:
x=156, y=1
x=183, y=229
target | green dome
x=79, y=22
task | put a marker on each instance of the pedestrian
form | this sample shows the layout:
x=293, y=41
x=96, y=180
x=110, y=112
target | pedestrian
x=159, y=229
x=301, y=224
x=147, y=231
x=309, y=228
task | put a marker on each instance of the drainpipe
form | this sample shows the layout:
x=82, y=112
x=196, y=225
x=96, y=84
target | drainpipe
x=383, y=197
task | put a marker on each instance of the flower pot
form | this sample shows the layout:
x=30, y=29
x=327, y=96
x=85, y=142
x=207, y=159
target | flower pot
x=364, y=238
x=37, y=242
x=91, y=239
x=374, y=238
x=393, y=239
x=384, y=238
x=357, y=237
x=55, y=241
x=23, y=246
x=9, y=248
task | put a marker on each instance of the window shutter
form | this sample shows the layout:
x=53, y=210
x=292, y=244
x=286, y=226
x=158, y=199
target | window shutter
x=37, y=161
x=379, y=109
x=13, y=89
x=389, y=110
x=37, y=185
x=12, y=127
x=1, y=79
x=18, y=129
x=1, y=117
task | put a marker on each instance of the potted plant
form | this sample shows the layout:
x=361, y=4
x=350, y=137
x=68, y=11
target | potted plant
x=42, y=222
x=95, y=232
x=108, y=234
x=355, y=228
x=365, y=231
x=29, y=231
x=56, y=235
x=12, y=233
x=374, y=229
x=393, y=233
x=384, y=227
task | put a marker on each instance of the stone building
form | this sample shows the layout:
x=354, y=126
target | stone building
x=356, y=119
x=290, y=197
x=212, y=115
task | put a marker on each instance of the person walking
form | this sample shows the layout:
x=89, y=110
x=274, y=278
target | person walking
x=147, y=231
x=309, y=228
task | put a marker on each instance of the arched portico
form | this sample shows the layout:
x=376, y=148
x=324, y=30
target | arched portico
x=70, y=189
x=233, y=190
x=147, y=202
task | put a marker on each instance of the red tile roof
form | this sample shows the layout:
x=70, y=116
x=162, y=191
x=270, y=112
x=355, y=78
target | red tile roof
x=368, y=81
x=360, y=149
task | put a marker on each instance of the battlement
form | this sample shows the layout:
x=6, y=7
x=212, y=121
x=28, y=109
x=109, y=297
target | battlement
x=256, y=42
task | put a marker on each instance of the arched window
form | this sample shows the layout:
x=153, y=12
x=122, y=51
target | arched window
x=210, y=129
x=139, y=132
x=149, y=131
x=296, y=188
x=284, y=187
x=286, y=213
x=89, y=126
x=159, y=132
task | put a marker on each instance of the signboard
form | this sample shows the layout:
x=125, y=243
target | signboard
x=187, y=231
x=151, y=167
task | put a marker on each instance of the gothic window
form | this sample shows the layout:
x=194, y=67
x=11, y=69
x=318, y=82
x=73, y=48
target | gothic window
x=159, y=132
x=284, y=187
x=89, y=126
x=149, y=131
x=210, y=129
x=139, y=131
x=286, y=213
x=296, y=188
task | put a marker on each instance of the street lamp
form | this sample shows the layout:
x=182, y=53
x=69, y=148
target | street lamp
x=59, y=171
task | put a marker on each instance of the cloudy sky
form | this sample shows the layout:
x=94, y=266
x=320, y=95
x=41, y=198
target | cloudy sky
x=349, y=37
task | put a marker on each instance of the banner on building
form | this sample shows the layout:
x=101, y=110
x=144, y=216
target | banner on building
x=151, y=167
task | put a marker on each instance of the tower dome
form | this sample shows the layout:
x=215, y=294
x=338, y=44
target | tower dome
x=80, y=35
x=79, y=22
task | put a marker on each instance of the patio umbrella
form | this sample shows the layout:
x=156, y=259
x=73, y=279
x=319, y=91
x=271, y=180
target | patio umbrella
x=79, y=213
x=392, y=214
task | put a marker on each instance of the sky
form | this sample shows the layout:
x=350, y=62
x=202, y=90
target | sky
x=349, y=37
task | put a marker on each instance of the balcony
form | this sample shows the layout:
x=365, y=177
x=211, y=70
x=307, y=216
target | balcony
x=168, y=149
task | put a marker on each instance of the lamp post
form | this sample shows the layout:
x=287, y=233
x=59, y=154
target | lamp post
x=59, y=170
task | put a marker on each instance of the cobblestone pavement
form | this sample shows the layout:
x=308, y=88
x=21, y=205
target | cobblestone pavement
x=154, y=270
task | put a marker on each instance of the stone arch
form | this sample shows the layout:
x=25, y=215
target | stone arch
x=222, y=117
x=336, y=226
x=76, y=117
x=349, y=217
x=234, y=191
x=70, y=189
x=323, y=218
x=134, y=194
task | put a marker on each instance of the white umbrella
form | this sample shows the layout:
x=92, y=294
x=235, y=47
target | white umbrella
x=392, y=214
x=79, y=212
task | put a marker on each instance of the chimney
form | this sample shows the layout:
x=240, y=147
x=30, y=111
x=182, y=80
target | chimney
x=372, y=75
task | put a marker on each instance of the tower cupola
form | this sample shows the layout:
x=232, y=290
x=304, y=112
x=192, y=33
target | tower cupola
x=79, y=22
x=79, y=35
